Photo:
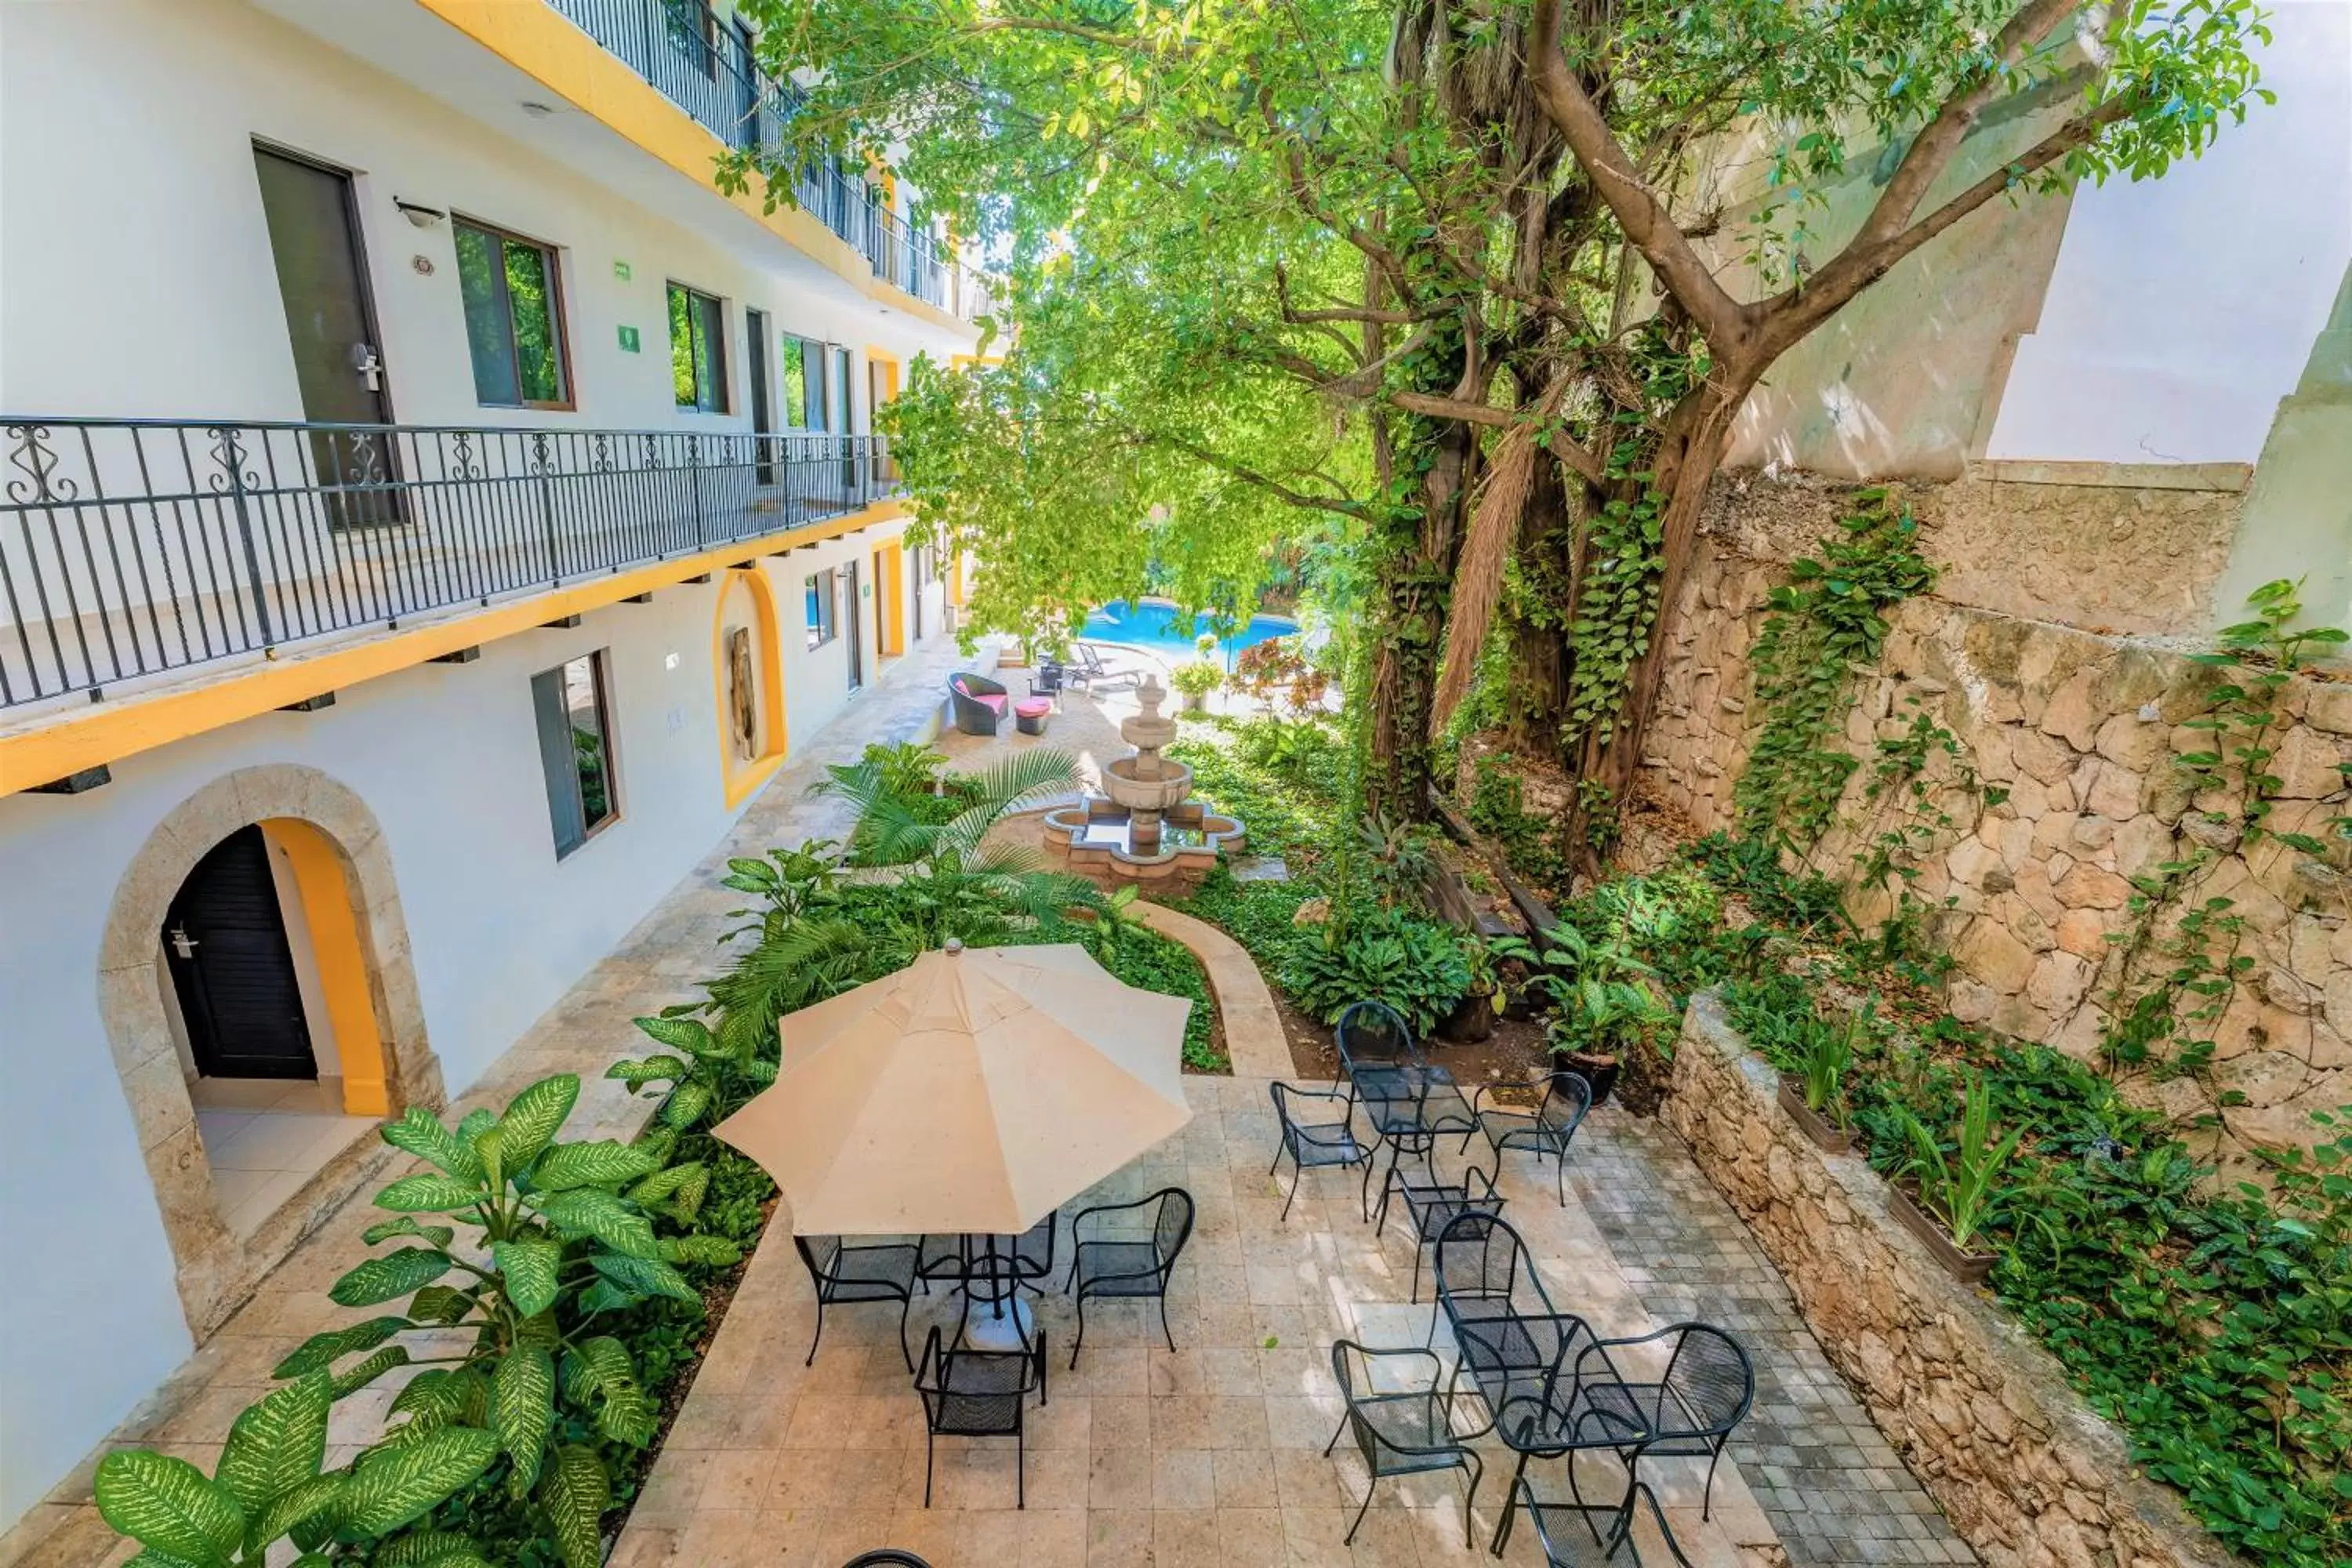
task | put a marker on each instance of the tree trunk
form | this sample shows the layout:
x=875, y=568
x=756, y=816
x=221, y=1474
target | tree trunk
x=1535, y=708
x=1413, y=584
x=1690, y=447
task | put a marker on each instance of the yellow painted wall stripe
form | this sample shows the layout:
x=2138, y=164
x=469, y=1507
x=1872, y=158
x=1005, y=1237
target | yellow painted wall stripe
x=538, y=41
x=342, y=966
x=125, y=726
x=739, y=776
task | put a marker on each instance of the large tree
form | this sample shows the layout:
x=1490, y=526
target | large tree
x=1441, y=270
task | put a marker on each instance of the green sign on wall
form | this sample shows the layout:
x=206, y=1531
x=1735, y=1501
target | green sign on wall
x=620, y=270
x=628, y=340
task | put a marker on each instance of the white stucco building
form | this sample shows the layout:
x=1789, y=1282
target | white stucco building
x=508, y=509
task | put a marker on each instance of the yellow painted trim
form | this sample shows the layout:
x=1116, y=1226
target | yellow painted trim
x=123, y=727
x=542, y=43
x=342, y=965
x=739, y=778
x=892, y=557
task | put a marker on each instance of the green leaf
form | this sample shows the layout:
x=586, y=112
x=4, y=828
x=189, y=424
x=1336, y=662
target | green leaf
x=522, y=1409
x=645, y=1276
x=440, y=1397
x=575, y=1494
x=420, y=1132
x=168, y=1505
x=362, y=1374
x=440, y=1304
x=603, y=1163
x=686, y=1104
x=601, y=1366
x=421, y=1550
x=277, y=1442
x=308, y=1500
x=637, y=1073
x=587, y=1212
x=706, y=1250
x=689, y=1035
x=392, y=1487
x=425, y=1192
x=478, y=1121
x=390, y=1275
x=320, y=1350
x=534, y=1117
x=528, y=1265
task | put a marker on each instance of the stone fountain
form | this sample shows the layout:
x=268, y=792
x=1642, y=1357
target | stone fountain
x=1143, y=826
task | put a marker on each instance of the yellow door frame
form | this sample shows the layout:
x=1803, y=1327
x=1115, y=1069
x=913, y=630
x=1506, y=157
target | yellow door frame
x=327, y=912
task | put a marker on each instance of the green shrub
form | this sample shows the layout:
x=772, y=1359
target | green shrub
x=1414, y=965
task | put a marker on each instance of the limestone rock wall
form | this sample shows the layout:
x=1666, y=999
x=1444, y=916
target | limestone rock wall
x=2074, y=731
x=2025, y=1471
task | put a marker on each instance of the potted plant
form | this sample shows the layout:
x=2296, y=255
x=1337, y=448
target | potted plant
x=1193, y=680
x=1814, y=1095
x=1473, y=1017
x=1957, y=1190
x=1598, y=1023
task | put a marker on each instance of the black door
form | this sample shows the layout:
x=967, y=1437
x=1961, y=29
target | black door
x=225, y=939
x=764, y=418
x=857, y=622
x=314, y=237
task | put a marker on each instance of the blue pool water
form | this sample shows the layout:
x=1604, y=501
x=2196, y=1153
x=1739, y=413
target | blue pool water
x=1156, y=627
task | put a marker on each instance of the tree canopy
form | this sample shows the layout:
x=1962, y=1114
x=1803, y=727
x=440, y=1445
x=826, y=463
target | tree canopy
x=1479, y=283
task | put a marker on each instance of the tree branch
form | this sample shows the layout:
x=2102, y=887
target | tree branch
x=1641, y=213
x=1247, y=475
x=1486, y=413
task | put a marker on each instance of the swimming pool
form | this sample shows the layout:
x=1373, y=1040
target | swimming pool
x=1153, y=624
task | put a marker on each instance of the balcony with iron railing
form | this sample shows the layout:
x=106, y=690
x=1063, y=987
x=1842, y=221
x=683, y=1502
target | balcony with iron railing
x=707, y=68
x=131, y=549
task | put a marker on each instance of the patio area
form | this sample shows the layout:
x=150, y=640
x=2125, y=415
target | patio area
x=1213, y=1453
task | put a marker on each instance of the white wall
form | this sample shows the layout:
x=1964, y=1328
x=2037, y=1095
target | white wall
x=136, y=280
x=135, y=271
x=2183, y=309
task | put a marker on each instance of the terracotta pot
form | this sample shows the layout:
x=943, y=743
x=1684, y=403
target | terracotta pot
x=1968, y=1267
x=1833, y=1140
x=1599, y=1071
x=1472, y=1019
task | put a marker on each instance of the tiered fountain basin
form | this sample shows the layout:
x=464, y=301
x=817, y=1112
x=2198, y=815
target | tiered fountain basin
x=1097, y=837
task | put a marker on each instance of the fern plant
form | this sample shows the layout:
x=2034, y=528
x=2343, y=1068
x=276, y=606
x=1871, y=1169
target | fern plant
x=561, y=1235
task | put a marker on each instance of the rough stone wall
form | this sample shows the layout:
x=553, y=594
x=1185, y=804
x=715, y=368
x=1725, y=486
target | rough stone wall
x=2025, y=1470
x=2079, y=728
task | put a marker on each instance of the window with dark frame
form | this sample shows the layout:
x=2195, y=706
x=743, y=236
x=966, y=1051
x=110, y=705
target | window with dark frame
x=513, y=289
x=698, y=348
x=572, y=705
x=821, y=607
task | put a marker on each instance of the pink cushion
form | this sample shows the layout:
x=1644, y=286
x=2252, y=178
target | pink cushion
x=1031, y=706
x=996, y=699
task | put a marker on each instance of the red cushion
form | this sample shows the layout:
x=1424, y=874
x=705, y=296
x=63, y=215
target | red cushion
x=996, y=699
x=1031, y=706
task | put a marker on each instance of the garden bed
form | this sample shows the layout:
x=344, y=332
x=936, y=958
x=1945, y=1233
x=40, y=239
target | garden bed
x=2021, y=1466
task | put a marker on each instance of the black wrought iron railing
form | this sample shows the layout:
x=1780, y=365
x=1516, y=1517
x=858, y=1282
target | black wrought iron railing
x=706, y=67
x=132, y=548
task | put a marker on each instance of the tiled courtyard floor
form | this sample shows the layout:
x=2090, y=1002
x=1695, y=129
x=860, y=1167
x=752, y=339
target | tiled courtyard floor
x=1834, y=1492
x=1212, y=1455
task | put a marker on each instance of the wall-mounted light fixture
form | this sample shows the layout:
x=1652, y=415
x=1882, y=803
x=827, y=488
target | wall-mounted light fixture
x=418, y=213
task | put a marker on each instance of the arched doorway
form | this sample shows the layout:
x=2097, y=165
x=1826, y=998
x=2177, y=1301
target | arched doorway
x=258, y=1061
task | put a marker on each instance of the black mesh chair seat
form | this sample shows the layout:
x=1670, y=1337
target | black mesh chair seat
x=1432, y=1203
x=1401, y=1415
x=1690, y=1413
x=1121, y=1266
x=883, y=1271
x=1565, y=1531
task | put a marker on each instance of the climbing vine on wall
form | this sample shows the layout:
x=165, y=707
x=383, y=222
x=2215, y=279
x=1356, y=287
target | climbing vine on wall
x=1827, y=625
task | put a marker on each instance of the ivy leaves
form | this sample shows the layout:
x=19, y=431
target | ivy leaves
x=1825, y=625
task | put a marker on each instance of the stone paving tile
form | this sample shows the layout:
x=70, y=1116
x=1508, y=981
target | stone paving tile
x=1835, y=1490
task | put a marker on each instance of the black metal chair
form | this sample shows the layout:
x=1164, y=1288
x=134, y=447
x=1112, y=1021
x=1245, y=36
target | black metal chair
x=1403, y=1425
x=1564, y=1546
x=1548, y=1130
x=1379, y=1055
x=1432, y=1203
x=885, y=1271
x=979, y=1393
x=1316, y=1144
x=1124, y=1267
x=968, y=1264
x=1706, y=1391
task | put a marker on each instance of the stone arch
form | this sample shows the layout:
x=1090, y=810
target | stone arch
x=217, y=1270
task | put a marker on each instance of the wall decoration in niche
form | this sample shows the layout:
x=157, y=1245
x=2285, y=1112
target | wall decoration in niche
x=742, y=695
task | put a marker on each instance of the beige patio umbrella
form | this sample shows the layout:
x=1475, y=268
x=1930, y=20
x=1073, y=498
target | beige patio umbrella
x=973, y=1091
